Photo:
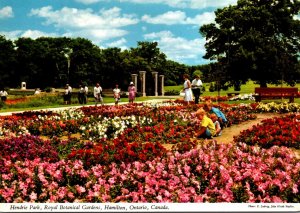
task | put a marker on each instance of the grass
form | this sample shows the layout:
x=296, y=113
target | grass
x=245, y=89
x=55, y=100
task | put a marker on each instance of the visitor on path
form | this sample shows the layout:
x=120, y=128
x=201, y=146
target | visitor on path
x=81, y=93
x=3, y=95
x=97, y=94
x=196, y=88
x=37, y=91
x=221, y=117
x=86, y=92
x=207, y=128
x=66, y=95
x=117, y=94
x=131, y=92
x=69, y=96
x=187, y=89
x=217, y=124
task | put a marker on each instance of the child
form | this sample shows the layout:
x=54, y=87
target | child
x=221, y=117
x=214, y=118
x=207, y=129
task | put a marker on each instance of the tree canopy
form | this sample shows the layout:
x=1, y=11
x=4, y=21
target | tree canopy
x=53, y=62
x=256, y=39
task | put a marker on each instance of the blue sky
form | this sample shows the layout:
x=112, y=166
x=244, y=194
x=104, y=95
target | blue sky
x=174, y=24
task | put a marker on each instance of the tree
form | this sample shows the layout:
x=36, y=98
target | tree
x=256, y=39
x=7, y=62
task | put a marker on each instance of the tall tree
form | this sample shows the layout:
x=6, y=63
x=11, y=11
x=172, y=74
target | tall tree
x=7, y=62
x=256, y=39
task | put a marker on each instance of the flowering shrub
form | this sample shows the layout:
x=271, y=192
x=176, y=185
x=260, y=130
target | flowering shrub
x=214, y=98
x=284, y=107
x=281, y=131
x=27, y=147
x=242, y=97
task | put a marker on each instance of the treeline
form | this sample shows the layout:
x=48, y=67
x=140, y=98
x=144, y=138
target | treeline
x=53, y=62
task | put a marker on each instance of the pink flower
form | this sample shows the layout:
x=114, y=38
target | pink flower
x=295, y=188
x=276, y=199
x=80, y=189
x=198, y=199
x=183, y=197
x=33, y=196
x=71, y=195
x=111, y=180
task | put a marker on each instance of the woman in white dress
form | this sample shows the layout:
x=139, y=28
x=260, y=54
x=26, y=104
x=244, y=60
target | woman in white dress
x=187, y=89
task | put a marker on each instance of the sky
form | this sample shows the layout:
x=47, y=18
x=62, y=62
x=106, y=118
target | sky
x=174, y=24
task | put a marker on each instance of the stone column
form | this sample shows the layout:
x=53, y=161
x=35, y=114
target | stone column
x=134, y=79
x=155, y=76
x=143, y=82
x=162, y=84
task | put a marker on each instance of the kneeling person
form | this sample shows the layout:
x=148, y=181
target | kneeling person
x=207, y=129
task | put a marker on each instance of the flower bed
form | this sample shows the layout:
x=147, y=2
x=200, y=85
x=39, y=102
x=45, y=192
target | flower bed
x=214, y=173
x=116, y=154
x=281, y=131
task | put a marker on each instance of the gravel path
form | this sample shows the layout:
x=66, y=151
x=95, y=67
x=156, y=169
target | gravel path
x=235, y=129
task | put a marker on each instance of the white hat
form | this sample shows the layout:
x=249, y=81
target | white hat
x=131, y=83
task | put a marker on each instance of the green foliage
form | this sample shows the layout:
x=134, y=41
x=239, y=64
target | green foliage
x=48, y=89
x=212, y=87
x=172, y=92
x=197, y=72
x=258, y=40
x=170, y=83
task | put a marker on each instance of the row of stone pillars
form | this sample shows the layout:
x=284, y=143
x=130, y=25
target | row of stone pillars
x=156, y=81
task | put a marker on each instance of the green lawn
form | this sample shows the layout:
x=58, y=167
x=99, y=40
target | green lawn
x=245, y=89
x=54, y=102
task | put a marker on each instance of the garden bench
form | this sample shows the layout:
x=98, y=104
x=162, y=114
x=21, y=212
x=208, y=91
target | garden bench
x=275, y=93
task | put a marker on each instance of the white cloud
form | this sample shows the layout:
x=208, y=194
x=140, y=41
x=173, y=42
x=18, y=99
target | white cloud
x=168, y=18
x=88, y=1
x=13, y=35
x=97, y=26
x=121, y=43
x=97, y=35
x=178, y=48
x=179, y=17
x=6, y=12
x=36, y=34
x=194, y=4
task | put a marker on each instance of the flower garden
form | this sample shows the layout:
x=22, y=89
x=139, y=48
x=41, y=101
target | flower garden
x=147, y=153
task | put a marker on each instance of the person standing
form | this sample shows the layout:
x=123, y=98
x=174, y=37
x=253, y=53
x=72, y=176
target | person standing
x=196, y=88
x=66, y=95
x=3, y=95
x=81, y=94
x=187, y=89
x=97, y=94
x=131, y=92
x=69, y=96
x=117, y=94
x=86, y=91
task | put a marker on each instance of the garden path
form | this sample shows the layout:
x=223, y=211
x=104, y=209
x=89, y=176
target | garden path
x=234, y=130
